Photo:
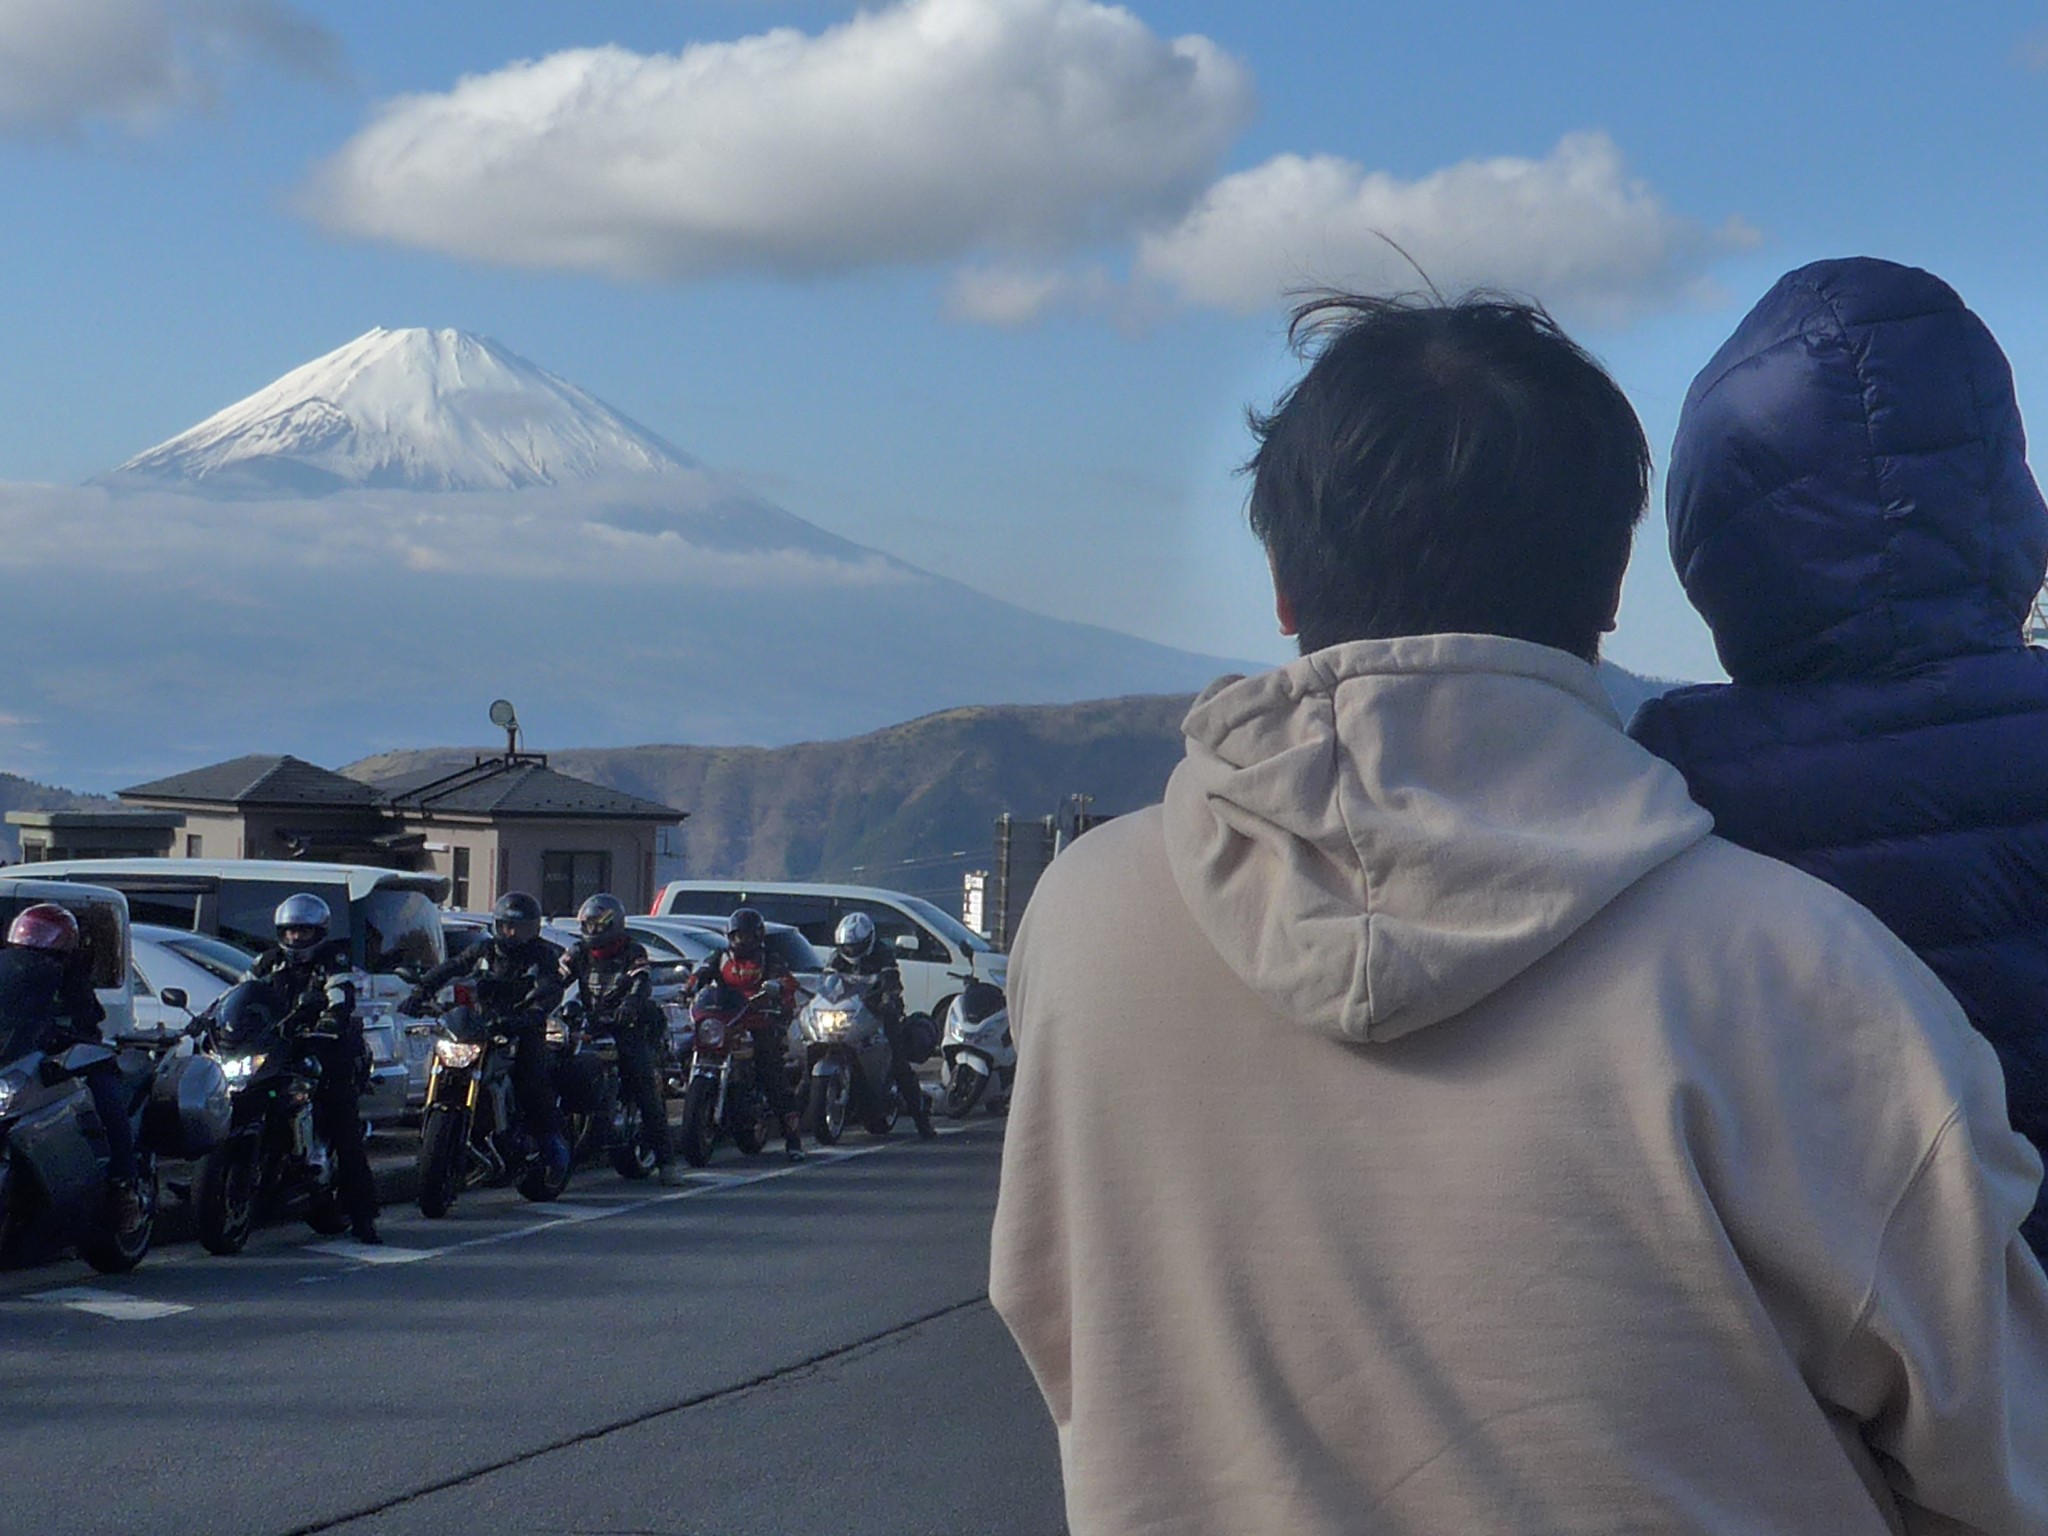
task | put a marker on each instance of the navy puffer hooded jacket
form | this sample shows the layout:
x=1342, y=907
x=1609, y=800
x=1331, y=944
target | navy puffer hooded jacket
x=1851, y=511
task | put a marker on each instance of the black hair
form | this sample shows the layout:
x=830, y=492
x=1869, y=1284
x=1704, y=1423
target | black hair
x=1447, y=466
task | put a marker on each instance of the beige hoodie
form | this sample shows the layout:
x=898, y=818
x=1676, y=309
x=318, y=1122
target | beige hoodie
x=1426, y=1126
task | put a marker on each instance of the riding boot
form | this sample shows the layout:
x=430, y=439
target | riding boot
x=792, y=1137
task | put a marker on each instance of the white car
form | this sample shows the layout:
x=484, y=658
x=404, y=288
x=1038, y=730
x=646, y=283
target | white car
x=929, y=945
x=198, y=964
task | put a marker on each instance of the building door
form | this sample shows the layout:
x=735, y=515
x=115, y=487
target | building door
x=570, y=878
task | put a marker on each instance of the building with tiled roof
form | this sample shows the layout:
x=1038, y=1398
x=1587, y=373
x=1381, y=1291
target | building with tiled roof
x=500, y=824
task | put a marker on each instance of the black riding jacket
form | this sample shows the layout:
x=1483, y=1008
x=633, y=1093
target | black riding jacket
x=519, y=986
x=615, y=988
x=302, y=986
x=38, y=990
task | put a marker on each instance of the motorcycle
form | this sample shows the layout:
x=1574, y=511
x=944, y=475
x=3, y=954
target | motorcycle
x=846, y=1062
x=586, y=1075
x=470, y=1133
x=53, y=1152
x=977, y=1057
x=724, y=1098
x=274, y=1156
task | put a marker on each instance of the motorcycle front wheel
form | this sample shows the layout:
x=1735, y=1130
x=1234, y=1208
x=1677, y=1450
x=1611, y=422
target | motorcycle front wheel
x=751, y=1131
x=224, y=1195
x=539, y=1181
x=965, y=1090
x=699, y=1134
x=109, y=1252
x=440, y=1161
x=825, y=1109
x=632, y=1157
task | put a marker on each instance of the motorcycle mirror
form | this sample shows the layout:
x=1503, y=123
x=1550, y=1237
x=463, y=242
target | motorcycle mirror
x=176, y=997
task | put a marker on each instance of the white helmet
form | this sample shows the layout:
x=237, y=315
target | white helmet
x=301, y=922
x=855, y=935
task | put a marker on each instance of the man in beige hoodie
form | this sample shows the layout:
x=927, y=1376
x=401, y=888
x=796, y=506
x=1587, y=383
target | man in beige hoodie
x=1426, y=1126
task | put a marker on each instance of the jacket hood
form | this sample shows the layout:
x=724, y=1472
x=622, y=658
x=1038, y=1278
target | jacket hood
x=1849, y=492
x=1382, y=834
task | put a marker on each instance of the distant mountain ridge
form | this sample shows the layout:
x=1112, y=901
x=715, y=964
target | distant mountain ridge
x=894, y=807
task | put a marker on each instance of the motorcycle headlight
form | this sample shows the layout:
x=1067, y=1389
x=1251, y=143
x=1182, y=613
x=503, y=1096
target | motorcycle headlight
x=711, y=1034
x=831, y=1021
x=457, y=1053
x=239, y=1069
x=10, y=1086
x=558, y=1031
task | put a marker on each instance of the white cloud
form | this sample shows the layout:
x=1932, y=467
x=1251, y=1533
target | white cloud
x=1574, y=229
x=1010, y=296
x=922, y=132
x=566, y=534
x=66, y=63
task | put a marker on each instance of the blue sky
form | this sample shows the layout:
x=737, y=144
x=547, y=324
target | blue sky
x=1045, y=404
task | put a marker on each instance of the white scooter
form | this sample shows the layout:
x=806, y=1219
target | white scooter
x=978, y=1060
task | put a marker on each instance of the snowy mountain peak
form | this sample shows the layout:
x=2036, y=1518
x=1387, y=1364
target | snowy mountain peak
x=413, y=409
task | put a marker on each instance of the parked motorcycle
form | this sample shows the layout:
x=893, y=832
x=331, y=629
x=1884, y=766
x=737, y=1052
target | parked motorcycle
x=846, y=1062
x=470, y=1133
x=53, y=1153
x=724, y=1098
x=978, y=1061
x=274, y=1156
x=586, y=1074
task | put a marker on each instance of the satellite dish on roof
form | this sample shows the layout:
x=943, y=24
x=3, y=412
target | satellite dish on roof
x=506, y=719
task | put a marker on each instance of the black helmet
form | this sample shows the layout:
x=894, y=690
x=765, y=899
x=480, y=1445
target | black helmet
x=515, y=920
x=302, y=923
x=602, y=920
x=745, y=932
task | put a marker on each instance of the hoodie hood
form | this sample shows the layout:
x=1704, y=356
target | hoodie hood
x=1849, y=492
x=1382, y=834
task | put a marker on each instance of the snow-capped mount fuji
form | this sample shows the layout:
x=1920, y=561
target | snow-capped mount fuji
x=414, y=409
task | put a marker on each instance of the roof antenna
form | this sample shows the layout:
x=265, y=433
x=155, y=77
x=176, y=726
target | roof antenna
x=506, y=719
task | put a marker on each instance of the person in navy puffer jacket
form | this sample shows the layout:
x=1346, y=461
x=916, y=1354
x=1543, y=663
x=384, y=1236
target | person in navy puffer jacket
x=1851, y=511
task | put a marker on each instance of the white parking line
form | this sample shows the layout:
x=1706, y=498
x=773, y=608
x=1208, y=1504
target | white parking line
x=364, y=1253
x=122, y=1309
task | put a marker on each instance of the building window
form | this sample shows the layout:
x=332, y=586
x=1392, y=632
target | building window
x=567, y=880
x=193, y=844
x=458, y=892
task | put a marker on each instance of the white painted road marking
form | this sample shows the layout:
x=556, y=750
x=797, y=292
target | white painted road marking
x=122, y=1309
x=364, y=1253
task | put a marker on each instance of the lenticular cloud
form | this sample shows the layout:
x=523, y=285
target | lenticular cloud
x=922, y=132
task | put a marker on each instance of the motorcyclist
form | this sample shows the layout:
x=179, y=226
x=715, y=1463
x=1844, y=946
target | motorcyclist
x=518, y=979
x=312, y=980
x=46, y=1003
x=745, y=964
x=859, y=953
x=616, y=982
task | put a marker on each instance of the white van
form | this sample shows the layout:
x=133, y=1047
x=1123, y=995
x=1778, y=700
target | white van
x=389, y=918
x=928, y=943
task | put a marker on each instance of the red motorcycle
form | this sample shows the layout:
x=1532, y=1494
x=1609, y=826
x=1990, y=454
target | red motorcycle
x=724, y=1098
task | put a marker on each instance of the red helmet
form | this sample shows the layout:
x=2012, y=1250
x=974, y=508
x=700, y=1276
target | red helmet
x=44, y=926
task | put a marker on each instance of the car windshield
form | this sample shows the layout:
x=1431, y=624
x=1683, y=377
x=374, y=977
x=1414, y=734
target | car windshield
x=951, y=927
x=216, y=957
x=399, y=927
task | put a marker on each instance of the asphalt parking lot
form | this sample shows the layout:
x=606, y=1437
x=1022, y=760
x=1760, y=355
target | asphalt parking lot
x=771, y=1348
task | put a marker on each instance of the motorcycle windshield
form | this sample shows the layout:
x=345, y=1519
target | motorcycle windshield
x=245, y=1016
x=836, y=991
x=717, y=1001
